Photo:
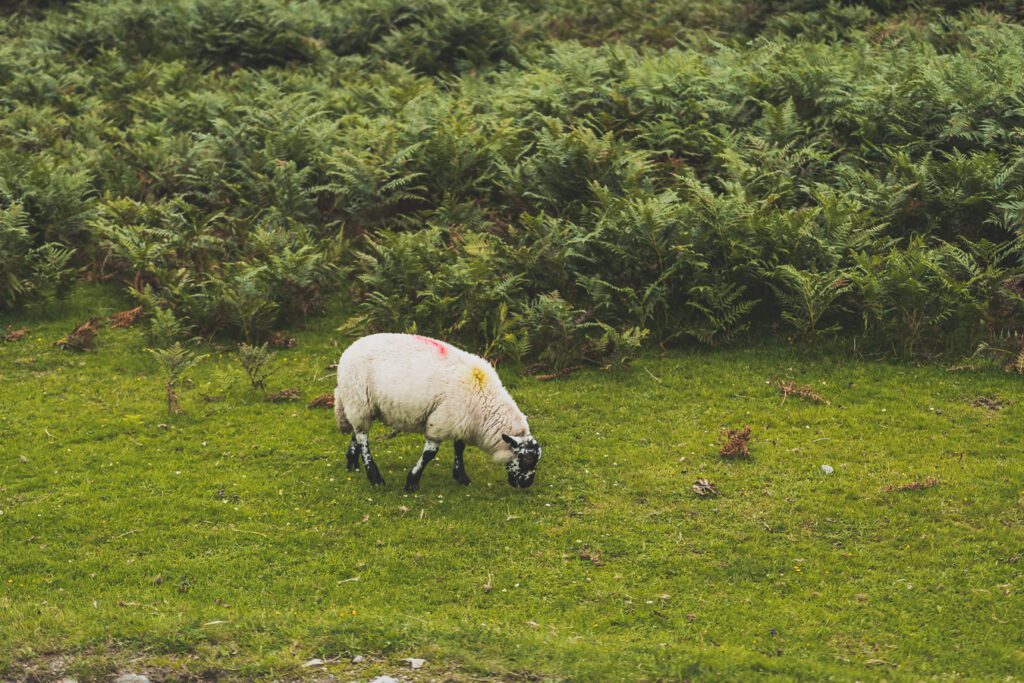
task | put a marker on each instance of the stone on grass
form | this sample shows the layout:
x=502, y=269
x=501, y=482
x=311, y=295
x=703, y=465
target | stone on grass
x=385, y=679
x=131, y=678
x=415, y=662
x=358, y=659
x=316, y=661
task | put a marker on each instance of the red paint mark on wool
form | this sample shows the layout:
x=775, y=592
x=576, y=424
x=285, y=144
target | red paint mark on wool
x=441, y=347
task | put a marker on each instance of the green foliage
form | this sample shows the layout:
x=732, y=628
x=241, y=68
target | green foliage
x=546, y=181
x=256, y=360
x=806, y=298
x=176, y=361
x=165, y=328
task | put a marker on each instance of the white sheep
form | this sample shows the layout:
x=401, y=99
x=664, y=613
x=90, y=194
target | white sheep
x=417, y=384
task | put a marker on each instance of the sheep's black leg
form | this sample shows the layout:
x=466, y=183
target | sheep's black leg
x=352, y=456
x=372, y=473
x=459, y=471
x=412, y=482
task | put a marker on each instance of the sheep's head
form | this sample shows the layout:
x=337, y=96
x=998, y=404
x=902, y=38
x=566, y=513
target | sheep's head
x=523, y=466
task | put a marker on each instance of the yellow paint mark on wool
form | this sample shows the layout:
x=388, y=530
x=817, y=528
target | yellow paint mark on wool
x=478, y=377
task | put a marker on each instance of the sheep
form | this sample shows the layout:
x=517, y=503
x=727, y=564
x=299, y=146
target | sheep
x=418, y=384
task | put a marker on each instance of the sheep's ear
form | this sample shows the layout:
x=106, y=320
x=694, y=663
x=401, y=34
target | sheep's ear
x=510, y=440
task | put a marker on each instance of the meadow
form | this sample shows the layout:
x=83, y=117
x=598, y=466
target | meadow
x=230, y=542
x=648, y=215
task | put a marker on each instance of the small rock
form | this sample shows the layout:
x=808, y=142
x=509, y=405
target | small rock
x=827, y=469
x=358, y=659
x=414, y=662
x=131, y=678
x=385, y=679
x=313, y=662
x=68, y=679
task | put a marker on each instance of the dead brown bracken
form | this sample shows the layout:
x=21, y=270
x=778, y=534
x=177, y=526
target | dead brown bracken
x=789, y=388
x=172, y=400
x=913, y=485
x=15, y=335
x=593, y=556
x=736, y=441
x=703, y=487
x=322, y=401
x=285, y=395
x=126, y=318
x=555, y=375
x=280, y=340
x=81, y=338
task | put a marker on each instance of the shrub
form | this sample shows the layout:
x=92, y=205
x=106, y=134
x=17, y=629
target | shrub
x=547, y=181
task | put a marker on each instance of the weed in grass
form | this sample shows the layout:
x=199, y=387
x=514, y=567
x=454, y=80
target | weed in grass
x=165, y=328
x=176, y=361
x=256, y=361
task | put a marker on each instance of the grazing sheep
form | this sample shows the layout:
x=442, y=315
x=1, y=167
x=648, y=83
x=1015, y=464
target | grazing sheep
x=417, y=384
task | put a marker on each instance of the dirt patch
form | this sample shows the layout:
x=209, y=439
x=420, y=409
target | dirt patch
x=913, y=485
x=990, y=402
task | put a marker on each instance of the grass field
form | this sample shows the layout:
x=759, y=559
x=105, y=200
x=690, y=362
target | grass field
x=232, y=542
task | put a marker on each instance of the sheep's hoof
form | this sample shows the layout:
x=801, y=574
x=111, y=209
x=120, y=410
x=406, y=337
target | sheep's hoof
x=373, y=474
x=352, y=466
x=412, y=484
x=462, y=478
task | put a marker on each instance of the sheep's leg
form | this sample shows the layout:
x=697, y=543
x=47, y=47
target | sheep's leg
x=372, y=473
x=459, y=471
x=412, y=482
x=352, y=455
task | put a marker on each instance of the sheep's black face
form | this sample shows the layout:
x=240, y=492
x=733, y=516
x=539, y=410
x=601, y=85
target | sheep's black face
x=522, y=468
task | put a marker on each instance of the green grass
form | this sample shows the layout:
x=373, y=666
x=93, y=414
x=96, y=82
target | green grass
x=229, y=539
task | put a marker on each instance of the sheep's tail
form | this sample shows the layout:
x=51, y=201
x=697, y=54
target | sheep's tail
x=339, y=413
